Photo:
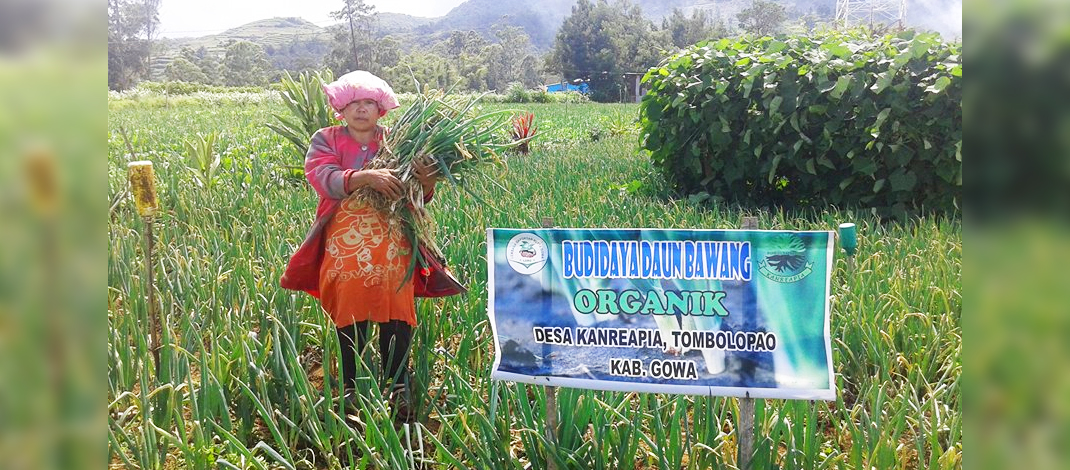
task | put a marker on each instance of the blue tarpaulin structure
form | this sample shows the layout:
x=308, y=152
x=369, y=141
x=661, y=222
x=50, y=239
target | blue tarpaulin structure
x=556, y=87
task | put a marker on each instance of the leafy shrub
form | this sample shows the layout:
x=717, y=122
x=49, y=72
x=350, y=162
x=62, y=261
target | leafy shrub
x=569, y=97
x=202, y=159
x=621, y=125
x=309, y=110
x=516, y=93
x=841, y=118
x=540, y=96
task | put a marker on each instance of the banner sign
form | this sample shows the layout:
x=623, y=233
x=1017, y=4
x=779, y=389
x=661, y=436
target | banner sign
x=701, y=312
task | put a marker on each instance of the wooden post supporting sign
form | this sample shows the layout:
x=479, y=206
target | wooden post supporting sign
x=746, y=403
x=551, y=394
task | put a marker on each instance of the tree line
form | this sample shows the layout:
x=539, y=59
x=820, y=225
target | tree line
x=598, y=43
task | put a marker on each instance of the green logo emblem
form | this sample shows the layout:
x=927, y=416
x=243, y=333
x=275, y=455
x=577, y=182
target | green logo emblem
x=786, y=261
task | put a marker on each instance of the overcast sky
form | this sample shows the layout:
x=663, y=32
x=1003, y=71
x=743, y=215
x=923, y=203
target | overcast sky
x=184, y=18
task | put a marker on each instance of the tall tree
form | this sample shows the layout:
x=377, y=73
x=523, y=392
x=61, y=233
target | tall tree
x=511, y=59
x=466, y=53
x=639, y=43
x=181, y=69
x=583, y=49
x=430, y=70
x=150, y=18
x=245, y=64
x=762, y=17
x=131, y=27
x=600, y=42
x=530, y=71
x=353, y=38
x=465, y=60
x=459, y=43
x=207, y=61
x=387, y=52
x=685, y=31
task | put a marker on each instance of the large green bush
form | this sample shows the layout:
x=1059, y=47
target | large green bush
x=839, y=118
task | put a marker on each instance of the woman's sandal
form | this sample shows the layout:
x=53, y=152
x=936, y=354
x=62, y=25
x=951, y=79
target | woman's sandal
x=401, y=404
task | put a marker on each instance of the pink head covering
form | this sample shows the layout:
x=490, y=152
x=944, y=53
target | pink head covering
x=360, y=85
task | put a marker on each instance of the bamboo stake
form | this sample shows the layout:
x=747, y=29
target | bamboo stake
x=143, y=187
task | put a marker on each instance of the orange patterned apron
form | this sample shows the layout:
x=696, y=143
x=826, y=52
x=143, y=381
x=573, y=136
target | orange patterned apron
x=365, y=259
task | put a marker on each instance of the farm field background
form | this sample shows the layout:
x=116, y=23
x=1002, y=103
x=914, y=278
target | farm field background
x=241, y=381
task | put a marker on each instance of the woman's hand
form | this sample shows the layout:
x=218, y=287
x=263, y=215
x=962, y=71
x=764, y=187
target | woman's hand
x=382, y=181
x=427, y=172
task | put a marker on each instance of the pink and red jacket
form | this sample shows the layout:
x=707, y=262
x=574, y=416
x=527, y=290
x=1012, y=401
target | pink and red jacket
x=333, y=155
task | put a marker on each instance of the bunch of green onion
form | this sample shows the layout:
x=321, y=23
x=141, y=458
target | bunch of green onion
x=446, y=131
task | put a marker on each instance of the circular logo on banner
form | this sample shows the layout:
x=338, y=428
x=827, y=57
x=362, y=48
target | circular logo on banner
x=786, y=261
x=527, y=253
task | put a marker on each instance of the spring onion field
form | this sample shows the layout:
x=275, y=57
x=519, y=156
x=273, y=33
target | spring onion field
x=241, y=376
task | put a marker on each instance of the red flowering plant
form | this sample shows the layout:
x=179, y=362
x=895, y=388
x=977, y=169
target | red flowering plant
x=524, y=129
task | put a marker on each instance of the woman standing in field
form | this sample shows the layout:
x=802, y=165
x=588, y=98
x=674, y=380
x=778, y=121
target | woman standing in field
x=355, y=257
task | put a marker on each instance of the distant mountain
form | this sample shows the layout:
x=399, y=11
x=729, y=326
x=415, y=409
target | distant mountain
x=540, y=20
x=293, y=42
x=290, y=43
x=398, y=22
x=271, y=31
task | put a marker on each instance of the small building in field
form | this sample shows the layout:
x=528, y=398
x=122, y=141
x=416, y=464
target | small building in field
x=633, y=88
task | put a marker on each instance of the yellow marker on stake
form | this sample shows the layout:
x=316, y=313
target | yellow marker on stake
x=143, y=187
